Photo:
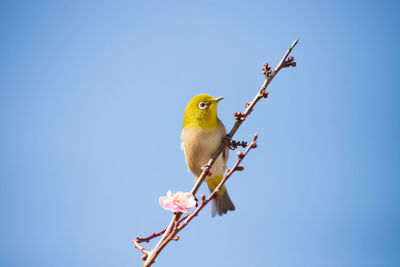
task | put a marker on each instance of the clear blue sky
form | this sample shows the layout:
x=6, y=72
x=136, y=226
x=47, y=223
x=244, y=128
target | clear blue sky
x=92, y=95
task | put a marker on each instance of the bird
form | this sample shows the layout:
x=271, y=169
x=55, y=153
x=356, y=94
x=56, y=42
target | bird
x=202, y=133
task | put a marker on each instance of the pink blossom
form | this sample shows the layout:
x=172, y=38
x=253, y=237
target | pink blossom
x=178, y=202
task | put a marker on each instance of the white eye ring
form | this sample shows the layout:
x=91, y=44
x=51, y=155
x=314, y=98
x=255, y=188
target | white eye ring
x=202, y=105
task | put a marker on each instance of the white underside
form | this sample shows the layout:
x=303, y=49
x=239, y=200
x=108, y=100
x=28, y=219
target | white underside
x=199, y=144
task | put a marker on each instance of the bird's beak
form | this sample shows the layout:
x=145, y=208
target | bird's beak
x=216, y=100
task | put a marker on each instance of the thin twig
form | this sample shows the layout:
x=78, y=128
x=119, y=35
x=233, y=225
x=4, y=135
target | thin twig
x=145, y=252
x=154, y=235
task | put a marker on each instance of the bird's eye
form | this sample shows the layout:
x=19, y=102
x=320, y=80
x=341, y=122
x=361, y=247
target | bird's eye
x=202, y=105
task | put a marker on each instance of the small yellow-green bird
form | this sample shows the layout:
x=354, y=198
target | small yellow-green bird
x=202, y=133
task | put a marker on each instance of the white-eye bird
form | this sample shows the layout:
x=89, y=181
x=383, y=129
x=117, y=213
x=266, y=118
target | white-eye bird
x=201, y=135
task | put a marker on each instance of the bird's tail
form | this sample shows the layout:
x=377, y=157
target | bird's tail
x=222, y=203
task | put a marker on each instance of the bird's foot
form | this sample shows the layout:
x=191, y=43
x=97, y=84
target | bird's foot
x=233, y=144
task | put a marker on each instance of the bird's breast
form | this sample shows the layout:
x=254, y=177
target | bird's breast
x=198, y=145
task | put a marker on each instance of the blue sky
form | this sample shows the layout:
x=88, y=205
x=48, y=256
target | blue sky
x=92, y=95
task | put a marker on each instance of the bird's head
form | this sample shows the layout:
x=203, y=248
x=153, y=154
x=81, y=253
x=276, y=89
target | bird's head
x=201, y=112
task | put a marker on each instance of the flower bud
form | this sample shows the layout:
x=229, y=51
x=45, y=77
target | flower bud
x=240, y=168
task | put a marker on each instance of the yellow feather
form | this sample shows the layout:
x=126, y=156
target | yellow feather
x=214, y=182
x=201, y=118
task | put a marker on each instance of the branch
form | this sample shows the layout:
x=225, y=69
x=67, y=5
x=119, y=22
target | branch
x=177, y=227
x=153, y=235
x=174, y=227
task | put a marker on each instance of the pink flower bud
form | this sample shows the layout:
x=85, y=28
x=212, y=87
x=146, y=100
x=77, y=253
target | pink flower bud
x=240, y=154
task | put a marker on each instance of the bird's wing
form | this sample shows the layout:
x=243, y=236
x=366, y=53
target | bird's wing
x=225, y=152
